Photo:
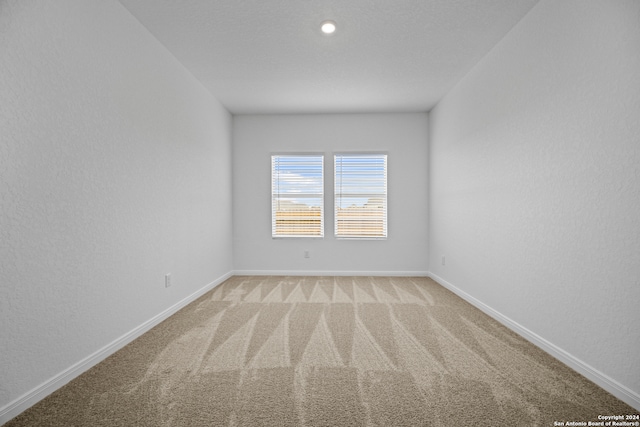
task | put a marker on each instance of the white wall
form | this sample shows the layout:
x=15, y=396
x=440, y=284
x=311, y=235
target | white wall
x=403, y=136
x=115, y=168
x=535, y=183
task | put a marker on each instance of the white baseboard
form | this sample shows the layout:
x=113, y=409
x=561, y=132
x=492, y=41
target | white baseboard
x=43, y=390
x=329, y=273
x=609, y=384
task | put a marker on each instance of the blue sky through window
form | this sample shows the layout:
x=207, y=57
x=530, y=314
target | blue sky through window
x=298, y=179
x=360, y=180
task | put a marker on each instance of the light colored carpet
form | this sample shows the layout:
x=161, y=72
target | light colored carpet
x=326, y=351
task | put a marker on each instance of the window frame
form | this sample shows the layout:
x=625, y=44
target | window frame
x=278, y=196
x=340, y=194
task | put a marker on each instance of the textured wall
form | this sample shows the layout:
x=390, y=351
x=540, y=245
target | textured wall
x=535, y=184
x=115, y=169
x=403, y=136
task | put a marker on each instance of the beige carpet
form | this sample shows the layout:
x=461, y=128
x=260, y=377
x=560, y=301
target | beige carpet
x=326, y=351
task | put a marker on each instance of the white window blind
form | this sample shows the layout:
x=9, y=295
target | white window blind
x=297, y=195
x=361, y=196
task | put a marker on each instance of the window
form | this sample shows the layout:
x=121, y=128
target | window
x=297, y=196
x=361, y=196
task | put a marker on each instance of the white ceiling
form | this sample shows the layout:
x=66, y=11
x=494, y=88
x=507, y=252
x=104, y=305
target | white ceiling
x=269, y=56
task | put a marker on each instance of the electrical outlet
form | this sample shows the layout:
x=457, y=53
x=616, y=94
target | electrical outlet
x=167, y=280
x=443, y=260
x=306, y=254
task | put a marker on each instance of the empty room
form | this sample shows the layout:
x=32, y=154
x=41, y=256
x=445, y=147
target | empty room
x=319, y=213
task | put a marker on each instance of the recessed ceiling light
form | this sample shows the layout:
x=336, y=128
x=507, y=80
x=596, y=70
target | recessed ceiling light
x=328, y=27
